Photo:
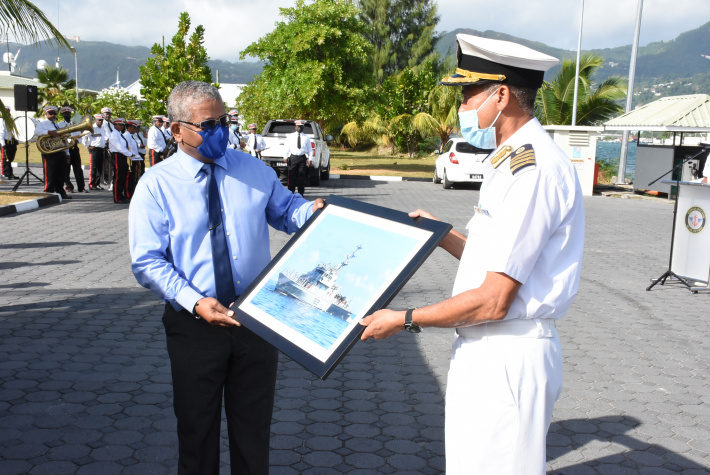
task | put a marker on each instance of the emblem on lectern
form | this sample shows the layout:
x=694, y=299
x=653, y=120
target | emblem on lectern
x=695, y=219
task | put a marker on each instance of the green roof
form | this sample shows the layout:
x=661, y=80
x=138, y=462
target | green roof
x=8, y=82
x=689, y=113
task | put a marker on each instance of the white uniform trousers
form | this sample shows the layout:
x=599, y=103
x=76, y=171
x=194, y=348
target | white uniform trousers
x=504, y=380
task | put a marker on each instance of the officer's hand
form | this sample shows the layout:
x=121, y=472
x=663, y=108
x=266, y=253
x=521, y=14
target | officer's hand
x=318, y=203
x=215, y=313
x=423, y=214
x=382, y=324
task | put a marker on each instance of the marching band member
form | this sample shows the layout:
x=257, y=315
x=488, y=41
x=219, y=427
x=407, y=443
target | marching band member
x=121, y=154
x=132, y=135
x=157, y=140
x=74, y=156
x=53, y=163
x=96, y=143
x=255, y=142
x=9, y=148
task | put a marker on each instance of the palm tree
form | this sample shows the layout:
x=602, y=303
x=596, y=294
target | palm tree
x=555, y=99
x=56, y=81
x=28, y=25
x=443, y=121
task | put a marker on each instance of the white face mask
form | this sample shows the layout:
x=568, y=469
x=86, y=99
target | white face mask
x=472, y=133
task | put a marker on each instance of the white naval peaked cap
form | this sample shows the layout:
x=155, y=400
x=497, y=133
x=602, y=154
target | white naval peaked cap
x=488, y=60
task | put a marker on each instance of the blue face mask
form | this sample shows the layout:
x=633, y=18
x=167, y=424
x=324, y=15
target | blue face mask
x=472, y=133
x=234, y=126
x=214, y=142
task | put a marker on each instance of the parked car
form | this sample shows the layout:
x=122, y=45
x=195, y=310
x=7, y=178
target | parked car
x=459, y=162
x=275, y=132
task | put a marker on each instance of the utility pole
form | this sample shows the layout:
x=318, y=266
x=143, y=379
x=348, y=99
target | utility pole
x=576, y=76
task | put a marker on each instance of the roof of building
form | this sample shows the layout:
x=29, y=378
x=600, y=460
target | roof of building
x=8, y=81
x=689, y=113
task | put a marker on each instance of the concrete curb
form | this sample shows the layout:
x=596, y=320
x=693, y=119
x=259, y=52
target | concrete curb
x=378, y=178
x=29, y=205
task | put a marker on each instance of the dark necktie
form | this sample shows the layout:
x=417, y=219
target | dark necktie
x=299, y=142
x=164, y=139
x=223, y=279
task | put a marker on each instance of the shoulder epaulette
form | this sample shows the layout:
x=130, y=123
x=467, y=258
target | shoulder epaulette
x=522, y=158
x=500, y=156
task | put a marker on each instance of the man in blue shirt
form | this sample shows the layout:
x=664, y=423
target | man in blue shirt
x=198, y=236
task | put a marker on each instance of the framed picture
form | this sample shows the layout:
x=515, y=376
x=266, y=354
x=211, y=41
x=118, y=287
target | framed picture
x=348, y=261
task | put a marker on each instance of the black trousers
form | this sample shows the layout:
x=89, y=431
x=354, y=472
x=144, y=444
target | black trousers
x=207, y=361
x=120, y=178
x=134, y=174
x=297, y=173
x=96, y=166
x=55, y=165
x=155, y=157
x=8, y=156
x=75, y=164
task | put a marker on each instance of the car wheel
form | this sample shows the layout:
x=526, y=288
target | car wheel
x=325, y=174
x=447, y=183
x=436, y=179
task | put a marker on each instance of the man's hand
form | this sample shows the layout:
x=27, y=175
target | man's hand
x=423, y=214
x=382, y=324
x=215, y=313
x=318, y=203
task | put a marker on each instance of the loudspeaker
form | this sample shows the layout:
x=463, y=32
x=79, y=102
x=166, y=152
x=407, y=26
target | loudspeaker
x=25, y=98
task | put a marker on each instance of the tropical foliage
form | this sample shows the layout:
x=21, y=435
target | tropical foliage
x=318, y=65
x=56, y=85
x=122, y=103
x=182, y=60
x=595, y=103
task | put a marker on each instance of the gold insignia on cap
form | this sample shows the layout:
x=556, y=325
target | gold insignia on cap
x=523, y=157
x=501, y=155
x=471, y=77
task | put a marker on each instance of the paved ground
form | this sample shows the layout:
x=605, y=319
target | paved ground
x=85, y=383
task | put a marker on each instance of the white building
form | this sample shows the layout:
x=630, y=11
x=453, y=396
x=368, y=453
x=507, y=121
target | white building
x=229, y=92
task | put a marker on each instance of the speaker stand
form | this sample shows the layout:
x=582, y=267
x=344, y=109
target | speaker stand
x=28, y=172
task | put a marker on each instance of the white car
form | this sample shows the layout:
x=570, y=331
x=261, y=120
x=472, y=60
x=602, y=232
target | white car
x=459, y=162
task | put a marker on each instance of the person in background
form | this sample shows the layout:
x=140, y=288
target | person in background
x=255, y=142
x=298, y=157
x=9, y=149
x=199, y=262
x=235, y=137
x=140, y=137
x=518, y=273
x=74, y=155
x=131, y=134
x=121, y=154
x=107, y=131
x=157, y=140
x=96, y=144
x=54, y=163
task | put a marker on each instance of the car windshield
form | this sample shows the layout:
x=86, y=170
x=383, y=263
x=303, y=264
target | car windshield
x=465, y=147
x=288, y=127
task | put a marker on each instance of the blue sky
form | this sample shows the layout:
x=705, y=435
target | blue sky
x=231, y=25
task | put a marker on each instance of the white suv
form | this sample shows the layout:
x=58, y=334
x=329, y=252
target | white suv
x=459, y=162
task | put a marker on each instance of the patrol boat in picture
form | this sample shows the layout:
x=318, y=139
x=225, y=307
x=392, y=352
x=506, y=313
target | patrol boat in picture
x=318, y=288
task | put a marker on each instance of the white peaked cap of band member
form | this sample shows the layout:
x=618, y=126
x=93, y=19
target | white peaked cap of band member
x=252, y=126
x=133, y=122
x=300, y=122
x=488, y=60
x=66, y=109
x=119, y=121
x=157, y=117
x=233, y=112
x=50, y=108
x=98, y=116
x=106, y=109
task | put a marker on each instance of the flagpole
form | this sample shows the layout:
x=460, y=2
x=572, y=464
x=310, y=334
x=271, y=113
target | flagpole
x=576, y=75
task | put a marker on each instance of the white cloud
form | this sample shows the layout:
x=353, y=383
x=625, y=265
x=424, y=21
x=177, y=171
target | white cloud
x=232, y=25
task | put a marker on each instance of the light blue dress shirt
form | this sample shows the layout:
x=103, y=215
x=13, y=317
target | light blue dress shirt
x=168, y=232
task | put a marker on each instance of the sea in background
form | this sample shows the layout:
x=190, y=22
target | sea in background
x=318, y=326
x=608, y=152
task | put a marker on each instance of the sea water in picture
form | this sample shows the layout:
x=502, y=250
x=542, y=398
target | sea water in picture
x=324, y=284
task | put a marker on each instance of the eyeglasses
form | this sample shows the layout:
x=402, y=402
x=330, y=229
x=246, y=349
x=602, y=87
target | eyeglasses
x=210, y=123
x=51, y=113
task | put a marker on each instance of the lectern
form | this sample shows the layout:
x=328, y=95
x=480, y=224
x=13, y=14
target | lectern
x=690, y=239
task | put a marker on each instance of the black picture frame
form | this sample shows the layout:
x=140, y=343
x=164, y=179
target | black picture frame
x=310, y=311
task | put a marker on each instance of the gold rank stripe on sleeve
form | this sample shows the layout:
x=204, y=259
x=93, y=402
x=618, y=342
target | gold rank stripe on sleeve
x=500, y=156
x=522, y=158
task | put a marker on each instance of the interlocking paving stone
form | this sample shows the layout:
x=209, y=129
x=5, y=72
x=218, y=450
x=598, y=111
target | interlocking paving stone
x=85, y=379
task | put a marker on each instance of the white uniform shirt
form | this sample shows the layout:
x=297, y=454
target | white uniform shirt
x=45, y=126
x=235, y=139
x=255, y=143
x=292, y=145
x=5, y=134
x=107, y=129
x=166, y=131
x=96, y=139
x=118, y=143
x=140, y=142
x=157, y=139
x=530, y=226
x=132, y=146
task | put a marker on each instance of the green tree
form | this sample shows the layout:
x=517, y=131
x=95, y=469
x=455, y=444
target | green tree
x=443, y=118
x=56, y=81
x=122, y=103
x=555, y=99
x=402, y=32
x=28, y=24
x=182, y=60
x=318, y=66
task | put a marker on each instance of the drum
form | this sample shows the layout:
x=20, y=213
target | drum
x=31, y=125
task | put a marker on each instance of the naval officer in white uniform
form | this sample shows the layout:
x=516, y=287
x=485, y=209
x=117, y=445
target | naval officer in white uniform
x=519, y=269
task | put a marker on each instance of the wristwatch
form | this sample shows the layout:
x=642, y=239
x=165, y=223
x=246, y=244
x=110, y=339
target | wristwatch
x=409, y=325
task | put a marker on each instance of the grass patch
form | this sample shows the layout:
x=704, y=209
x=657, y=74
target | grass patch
x=9, y=198
x=370, y=163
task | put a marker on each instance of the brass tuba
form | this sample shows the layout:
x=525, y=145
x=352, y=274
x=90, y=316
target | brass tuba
x=48, y=144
